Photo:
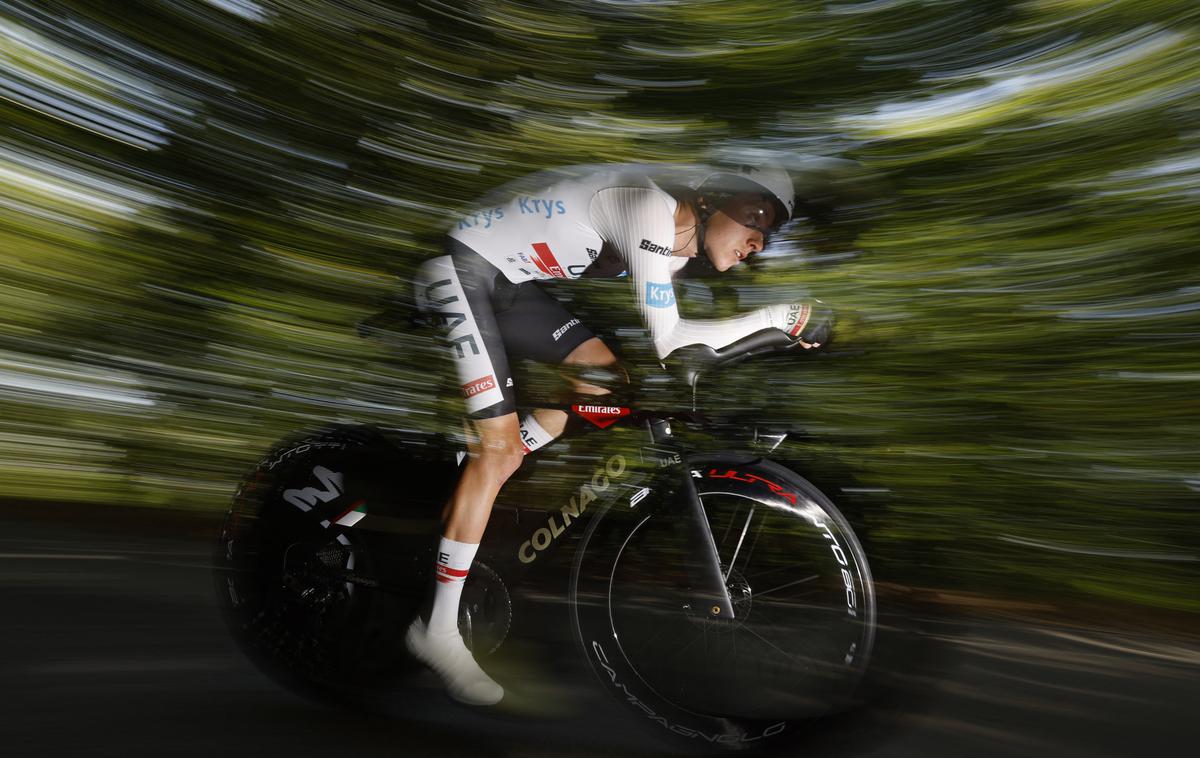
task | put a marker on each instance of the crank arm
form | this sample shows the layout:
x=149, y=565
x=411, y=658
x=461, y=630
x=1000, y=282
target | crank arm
x=374, y=584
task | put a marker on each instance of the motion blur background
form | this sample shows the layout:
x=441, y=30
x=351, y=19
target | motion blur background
x=199, y=201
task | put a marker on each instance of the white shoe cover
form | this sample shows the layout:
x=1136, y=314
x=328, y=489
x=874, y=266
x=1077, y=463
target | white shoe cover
x=449, y=658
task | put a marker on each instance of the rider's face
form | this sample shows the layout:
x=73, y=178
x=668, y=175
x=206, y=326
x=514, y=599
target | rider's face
x=737, y=230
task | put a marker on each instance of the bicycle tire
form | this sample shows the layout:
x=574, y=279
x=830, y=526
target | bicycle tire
x=715, y=682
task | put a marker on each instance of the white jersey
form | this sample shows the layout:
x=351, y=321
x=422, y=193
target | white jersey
x=559, y=232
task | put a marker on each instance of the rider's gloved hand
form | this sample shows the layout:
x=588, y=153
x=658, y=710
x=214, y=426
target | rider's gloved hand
x=809, y=325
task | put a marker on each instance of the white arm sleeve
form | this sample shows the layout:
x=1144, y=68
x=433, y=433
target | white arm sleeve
x=640, y=224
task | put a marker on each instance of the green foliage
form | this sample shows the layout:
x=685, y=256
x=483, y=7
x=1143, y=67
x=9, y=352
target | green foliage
x=199, y=201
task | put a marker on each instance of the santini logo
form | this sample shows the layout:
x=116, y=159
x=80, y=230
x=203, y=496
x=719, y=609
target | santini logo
x=660, y=295
x=660, y=249
x=560, y=331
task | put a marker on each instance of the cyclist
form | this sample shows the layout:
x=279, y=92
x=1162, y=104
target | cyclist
x=605, y=222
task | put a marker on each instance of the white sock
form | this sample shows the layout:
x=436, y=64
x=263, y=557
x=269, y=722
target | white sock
x=452, y=563
x=533, y=435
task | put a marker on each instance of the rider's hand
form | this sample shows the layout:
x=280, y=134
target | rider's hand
x=808, y=325
x=818, y=332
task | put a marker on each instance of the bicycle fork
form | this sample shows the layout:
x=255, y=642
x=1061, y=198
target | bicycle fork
x=708, y=593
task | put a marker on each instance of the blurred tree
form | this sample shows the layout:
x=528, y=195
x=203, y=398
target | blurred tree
x=201, y=199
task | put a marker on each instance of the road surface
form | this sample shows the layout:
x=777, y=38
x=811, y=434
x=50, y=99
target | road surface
x=113, y=646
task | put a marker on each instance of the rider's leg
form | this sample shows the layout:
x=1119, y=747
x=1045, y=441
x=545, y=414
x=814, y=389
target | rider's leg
x=495, y=453
x=494, y=456
x=459, y=289
x=537, y=327
x=591, y=353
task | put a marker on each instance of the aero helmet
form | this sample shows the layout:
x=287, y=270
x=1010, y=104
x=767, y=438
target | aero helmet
x=772, y=181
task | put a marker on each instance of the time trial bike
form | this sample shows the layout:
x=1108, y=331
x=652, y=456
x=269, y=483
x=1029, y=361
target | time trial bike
x=716, y=593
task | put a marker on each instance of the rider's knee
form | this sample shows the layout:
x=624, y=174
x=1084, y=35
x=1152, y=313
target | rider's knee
x=594, y=362
x=593, y=352
x=500, y=460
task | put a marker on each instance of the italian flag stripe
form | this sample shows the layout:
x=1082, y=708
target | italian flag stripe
x=353, y=514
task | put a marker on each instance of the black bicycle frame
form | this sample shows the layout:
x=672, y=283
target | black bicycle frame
x=707, y=589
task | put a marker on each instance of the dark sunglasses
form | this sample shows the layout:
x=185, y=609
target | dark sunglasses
x=752, y=217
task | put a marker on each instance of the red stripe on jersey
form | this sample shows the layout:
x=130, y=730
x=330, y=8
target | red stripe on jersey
x=545, y=260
